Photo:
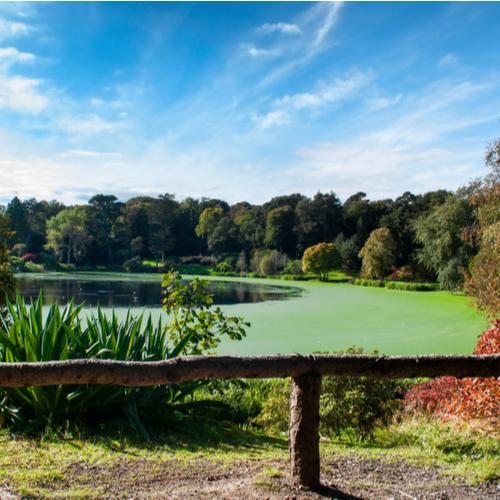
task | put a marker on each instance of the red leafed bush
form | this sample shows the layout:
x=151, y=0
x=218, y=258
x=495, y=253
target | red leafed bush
x=30, y=257
x=467, y=398
x=432, y=396
x=489, y=341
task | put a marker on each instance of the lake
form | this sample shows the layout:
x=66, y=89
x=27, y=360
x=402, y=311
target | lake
x=288, y=317
x=119, y=291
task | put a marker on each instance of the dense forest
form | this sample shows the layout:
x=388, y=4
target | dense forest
x=431, y=236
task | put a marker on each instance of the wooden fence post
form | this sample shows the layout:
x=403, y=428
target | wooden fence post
x=303, y=430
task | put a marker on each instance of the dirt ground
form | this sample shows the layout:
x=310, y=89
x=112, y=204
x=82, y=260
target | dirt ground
x=345, y=478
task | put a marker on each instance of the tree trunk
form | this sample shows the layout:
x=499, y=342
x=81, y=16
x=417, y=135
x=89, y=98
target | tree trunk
x=303, y=430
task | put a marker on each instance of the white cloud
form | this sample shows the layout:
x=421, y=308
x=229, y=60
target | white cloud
x=383, y=170
x=84, y=153
x=338, y=90
x=88, y=124
x=331, y=18
x=21, y=95
x=257, y=52
x=448, y=60
x=11, y=54
x=96, y=102
x=416, y=151
x=10, y=29
x=379, y=103
x=316, y=23
x=285, y=28
x=271, y=119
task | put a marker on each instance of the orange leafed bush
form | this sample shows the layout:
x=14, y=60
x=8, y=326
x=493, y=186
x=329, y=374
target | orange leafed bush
x=467, y=398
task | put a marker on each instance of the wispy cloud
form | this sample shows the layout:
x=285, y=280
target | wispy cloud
x=257, y=52
x=271, y=119
x=285, y=28
x=84, y=153
x=379, y=103
x=331, y=18
x=21, y=95
x=412, y=152
x=10, y=29
x=88, y=124
x=316, y=24
x=11, y=55
x=339, y=89
x=448, y=60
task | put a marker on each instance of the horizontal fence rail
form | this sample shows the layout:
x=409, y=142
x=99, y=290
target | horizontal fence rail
x=305, y=371
x=188, y=368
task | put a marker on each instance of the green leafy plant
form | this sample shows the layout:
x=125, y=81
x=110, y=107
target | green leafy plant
x=411, y=287
x=355, y=406
x=367, y=282
x=29, y=334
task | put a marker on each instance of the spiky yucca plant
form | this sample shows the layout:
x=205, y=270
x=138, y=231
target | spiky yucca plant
x=29, y=333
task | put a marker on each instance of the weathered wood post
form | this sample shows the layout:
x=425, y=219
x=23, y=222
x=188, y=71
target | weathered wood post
x=304, y=430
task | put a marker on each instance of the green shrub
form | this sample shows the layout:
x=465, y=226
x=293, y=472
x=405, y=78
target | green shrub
x=356, y=406
x=397, y=285
x=48, y=260
x=368, y=282
x=237, y=401
x=17, y=264
x=293, y=267
x=296, y=277
x=254, y=275
x=273, y=263
x=412, y=287
x=274, y=414
x=192, y=269
x=33, y=267
x=135, y=265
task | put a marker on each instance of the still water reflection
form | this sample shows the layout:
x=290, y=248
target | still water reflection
x=124, y=293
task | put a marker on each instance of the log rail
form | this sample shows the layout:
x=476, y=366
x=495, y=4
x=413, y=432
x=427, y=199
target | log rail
x=305, y=371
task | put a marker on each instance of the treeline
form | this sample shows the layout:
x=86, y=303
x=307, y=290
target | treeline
x=425, y=237
x=109, y=232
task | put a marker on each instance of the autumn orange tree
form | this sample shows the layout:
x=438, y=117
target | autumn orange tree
x=483, y=284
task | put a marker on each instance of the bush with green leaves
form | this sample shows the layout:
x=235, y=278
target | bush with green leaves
x=33, y=267
x=293, y=266
x=411, y=287
x=134, y=265
x=30, y=334
x=355, y=406
x=273, y=263
x=367, y=282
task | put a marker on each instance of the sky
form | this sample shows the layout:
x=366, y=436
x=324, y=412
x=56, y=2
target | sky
x=245, y=101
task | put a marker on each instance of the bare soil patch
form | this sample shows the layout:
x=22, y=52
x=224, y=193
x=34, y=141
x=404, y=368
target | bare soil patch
x=343, y=478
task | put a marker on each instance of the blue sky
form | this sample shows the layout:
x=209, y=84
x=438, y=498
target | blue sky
x=245, y=101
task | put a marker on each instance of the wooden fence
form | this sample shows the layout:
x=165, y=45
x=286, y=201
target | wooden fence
x=305, y=371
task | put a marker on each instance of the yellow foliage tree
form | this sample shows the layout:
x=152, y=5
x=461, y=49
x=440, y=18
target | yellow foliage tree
x=320, y=259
